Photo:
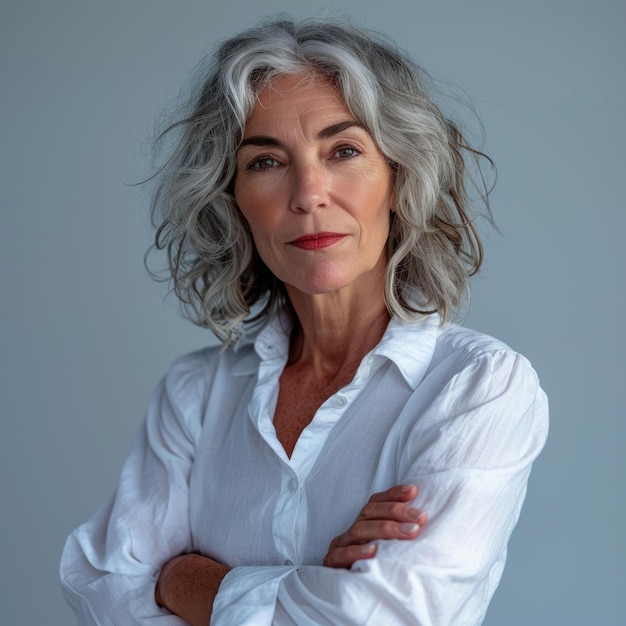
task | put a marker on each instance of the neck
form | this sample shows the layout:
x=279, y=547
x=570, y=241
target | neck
x=335, y=331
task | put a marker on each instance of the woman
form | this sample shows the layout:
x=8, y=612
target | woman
x=282, y=478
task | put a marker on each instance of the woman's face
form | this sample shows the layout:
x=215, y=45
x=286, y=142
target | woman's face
x=314, y=188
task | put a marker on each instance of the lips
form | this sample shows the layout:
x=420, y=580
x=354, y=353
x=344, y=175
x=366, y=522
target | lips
x=316, y=241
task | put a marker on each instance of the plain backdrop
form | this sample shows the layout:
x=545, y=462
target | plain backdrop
x=85, y=334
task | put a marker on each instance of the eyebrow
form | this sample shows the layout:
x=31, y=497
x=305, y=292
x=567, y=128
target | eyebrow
x=325, y=133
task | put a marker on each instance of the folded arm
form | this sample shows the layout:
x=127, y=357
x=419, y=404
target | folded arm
x=188, y=584
x=471, y=457
x=471, y=461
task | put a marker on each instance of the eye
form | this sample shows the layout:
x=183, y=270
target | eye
x=263, y=163
x=345, y=152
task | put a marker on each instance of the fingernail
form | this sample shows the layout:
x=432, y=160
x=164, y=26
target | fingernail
x=414, y=513
x=368, y=548
x=406, y=488
x=408, y=528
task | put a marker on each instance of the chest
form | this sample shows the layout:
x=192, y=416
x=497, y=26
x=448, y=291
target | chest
x=248, y=504
x=299, y=398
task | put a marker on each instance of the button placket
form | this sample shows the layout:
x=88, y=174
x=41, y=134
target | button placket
x=339, y=401
x=286, y=516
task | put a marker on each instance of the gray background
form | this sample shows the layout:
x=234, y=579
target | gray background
x=86, y=335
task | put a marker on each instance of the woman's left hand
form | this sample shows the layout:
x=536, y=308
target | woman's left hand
x=387, y=515
x=188, y=585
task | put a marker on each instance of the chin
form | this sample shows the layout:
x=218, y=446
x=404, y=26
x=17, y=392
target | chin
x=321, y=280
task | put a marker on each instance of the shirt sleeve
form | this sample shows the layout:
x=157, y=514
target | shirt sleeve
x=470, y=453
x=110, y=564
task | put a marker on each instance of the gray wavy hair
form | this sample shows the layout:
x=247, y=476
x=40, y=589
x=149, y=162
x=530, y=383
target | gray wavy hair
x=433, y=246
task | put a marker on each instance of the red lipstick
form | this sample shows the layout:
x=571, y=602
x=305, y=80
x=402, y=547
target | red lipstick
x=315, y=241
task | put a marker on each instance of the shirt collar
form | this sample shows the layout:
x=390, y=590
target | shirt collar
x=271, y=342
x=409, y=345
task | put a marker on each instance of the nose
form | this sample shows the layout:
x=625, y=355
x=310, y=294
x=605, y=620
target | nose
x=310, y=188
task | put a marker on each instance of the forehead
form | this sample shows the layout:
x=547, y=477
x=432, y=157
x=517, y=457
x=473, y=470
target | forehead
x=300, y=96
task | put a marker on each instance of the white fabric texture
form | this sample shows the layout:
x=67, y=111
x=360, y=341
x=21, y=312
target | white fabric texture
x=453, y=411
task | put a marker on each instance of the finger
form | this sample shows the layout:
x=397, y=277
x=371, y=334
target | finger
x=365, y=531
x=346, y=557
x=397, y=493
x=398, y=511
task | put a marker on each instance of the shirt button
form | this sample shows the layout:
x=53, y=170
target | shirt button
x=288, y=562
x=293, y=483
x=339, y=401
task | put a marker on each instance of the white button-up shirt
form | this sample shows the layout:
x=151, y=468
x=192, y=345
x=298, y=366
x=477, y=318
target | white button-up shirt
x=453, y=411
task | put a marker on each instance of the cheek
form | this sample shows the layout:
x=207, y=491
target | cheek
x=254, y=204
x=378, y=214
x=261, y=229
x=260, y=226
x=247, y=209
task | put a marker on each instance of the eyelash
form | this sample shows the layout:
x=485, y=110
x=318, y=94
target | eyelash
x=254, y=165
x=354, y=150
